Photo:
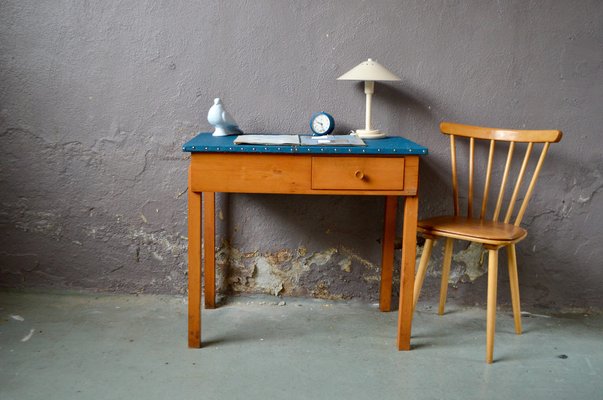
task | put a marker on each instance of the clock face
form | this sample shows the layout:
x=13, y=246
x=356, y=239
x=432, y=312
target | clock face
x=321, y=124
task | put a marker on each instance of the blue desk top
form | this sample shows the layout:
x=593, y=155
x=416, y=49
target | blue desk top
x=206, y=143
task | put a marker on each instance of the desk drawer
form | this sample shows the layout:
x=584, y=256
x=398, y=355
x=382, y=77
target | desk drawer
x=250, y=173
x=358, y=173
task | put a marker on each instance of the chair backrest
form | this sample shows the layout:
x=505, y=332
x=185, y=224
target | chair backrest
x=493, y=135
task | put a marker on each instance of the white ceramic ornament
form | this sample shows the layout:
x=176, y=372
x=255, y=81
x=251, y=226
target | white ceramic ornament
x=222, y=121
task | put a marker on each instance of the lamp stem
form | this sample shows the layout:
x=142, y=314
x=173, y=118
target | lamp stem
x=369, y=89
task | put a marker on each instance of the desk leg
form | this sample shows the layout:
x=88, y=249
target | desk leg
x=387, y=253
x=209, y=235
x=194, y=268
x=407, y=271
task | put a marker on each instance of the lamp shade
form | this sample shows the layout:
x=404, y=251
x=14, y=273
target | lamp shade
x=369, y=70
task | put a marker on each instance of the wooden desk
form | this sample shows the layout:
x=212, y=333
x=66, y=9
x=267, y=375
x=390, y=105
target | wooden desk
x=385, y=167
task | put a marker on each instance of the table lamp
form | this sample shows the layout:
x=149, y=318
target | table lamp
x=369, y=71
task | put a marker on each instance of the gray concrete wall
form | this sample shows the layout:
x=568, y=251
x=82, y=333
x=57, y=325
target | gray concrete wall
x=97, y=98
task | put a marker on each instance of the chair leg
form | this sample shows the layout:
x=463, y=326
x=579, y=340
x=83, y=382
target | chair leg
x=421, y=271
x=491, y=312
x=514, y=281
x=445, y=274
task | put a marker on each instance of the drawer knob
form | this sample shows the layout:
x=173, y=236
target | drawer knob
x=359, y=174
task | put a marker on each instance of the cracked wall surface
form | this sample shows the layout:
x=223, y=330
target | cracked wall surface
x=97, y=99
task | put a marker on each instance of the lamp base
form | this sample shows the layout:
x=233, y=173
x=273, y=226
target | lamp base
x=370, y=134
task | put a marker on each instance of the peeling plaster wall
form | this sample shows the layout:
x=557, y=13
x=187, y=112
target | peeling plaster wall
x=97, y=98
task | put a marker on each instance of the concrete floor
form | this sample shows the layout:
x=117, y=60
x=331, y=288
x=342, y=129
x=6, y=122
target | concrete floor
x=82, y=346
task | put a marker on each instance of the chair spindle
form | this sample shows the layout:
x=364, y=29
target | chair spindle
x=487, y=183
x=455, y=190
x=470, y=194
x=503, y=183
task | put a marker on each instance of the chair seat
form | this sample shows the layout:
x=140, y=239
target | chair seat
x=473, y=229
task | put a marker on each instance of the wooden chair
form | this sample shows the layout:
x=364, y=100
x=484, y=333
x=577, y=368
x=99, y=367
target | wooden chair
x=490, y=232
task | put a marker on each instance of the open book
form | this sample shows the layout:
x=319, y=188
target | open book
x=306, y=140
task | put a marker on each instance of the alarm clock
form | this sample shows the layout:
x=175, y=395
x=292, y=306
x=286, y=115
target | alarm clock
x=322, y=123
